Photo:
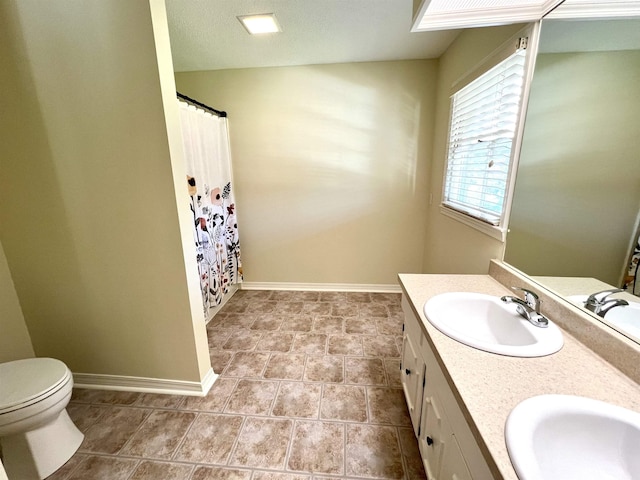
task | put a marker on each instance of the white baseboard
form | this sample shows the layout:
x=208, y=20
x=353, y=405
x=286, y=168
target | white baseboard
x=322, y=287
x=145, y=385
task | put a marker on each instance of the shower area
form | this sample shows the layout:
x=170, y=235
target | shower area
x=209, y=181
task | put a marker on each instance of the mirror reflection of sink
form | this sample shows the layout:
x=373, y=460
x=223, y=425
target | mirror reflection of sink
x=486, y=323
x=566, y=437
x=625, y=317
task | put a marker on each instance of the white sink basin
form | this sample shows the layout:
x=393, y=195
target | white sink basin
x=562, y=437
x=487, y=323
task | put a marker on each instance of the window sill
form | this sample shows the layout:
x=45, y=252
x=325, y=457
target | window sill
x=499, y=233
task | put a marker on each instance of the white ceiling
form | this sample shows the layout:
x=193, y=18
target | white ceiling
x=206, y=35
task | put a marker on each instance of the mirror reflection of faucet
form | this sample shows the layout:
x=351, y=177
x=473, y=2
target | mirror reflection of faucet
x=599, y=302
x=528, y=308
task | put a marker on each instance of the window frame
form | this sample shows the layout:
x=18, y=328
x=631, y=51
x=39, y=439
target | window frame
x=499, y=231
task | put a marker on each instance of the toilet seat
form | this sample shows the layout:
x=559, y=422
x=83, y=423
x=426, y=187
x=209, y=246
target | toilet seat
x=29, y=381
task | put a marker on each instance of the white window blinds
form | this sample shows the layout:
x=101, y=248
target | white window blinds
x=484, y=121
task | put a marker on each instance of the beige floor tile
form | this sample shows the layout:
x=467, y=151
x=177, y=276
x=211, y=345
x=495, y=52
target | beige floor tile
x=239, y=306
x=333, y=297
x=344, y=402
x=220, y=359
x=275, y=363
x=268, y=321
x=289, y=308
x=328, y=324
x=365, y=371
x=215, y=400
x=262, y=443
x=283, y=296
x=345, y=345
x=104, y=397
x=373, y=451
x=388, y=326
x=85, y=415
x=210, y=439
x=317, y=447
x=392, y=367
x=306, y=296
x=312, y=343
x=380, y=346
x=328, y=369
x=388, y=406
x=370, y=310
x=217, y=336
x=285, y=366
x=103, y=468
x=414, y=469
x=155, y=400
x=360, y=326
x=247, y=364
x=235, y=321
x=358, y=297
x=149, y=470
x=344, y=309
x=242, y=340
x=159, y=435
x=252, y=397
x=63, y=472
x=262, y=307
x=386, y=298
x=317, y=308
x=278, y=476
x=297, y=323
x=249, y=295
x=217, y=473
x=275, y=342
x=297, y=399
x=113, y=429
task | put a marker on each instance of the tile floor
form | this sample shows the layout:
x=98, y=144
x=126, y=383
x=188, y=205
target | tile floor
x=309, y=388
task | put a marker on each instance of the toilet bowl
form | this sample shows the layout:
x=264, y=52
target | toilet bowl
x=36, y=434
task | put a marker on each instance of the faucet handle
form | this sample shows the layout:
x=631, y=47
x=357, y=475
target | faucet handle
x=599, y=297
x=531, y=298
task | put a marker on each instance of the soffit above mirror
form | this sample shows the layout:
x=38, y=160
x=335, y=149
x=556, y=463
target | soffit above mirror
x=447, y=14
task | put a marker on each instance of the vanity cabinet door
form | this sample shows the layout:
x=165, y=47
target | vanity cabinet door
x=412, y=373
x=454, y=466
x=432, y=434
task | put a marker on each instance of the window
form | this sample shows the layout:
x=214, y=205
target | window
x=485, y=121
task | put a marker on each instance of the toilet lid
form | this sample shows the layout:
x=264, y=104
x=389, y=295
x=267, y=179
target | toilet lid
x=25, y=380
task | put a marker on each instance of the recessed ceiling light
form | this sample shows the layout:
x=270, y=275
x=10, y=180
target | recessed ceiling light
x=263, y=23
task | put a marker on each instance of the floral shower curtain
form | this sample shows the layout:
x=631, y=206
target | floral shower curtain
x=215, y=229
x=631, y=281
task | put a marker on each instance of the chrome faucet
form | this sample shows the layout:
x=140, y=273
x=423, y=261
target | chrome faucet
x=528, y=308
x=600, y=304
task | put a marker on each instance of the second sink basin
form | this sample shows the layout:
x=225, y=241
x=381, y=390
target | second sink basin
x=553, y=437
x=486, y=323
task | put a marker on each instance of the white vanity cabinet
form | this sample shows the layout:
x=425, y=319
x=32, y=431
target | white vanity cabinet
x=447, y=446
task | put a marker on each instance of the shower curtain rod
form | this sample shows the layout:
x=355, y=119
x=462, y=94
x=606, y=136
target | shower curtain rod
x=219, y=113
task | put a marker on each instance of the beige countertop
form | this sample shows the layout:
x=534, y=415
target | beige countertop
x=489, y=386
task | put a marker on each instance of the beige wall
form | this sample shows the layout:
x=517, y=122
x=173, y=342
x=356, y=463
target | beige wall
x=330, y=166
x=450, y=246
x=15, y=342
x=578, y=185
x=88, y=214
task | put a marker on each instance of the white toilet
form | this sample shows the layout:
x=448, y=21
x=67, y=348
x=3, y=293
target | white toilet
x=36, y=434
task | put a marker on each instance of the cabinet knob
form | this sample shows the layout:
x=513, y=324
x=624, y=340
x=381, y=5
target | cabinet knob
x=429, y=441
x=407, y=371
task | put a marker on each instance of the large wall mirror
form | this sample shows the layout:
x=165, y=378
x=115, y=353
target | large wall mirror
x=576, y=205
